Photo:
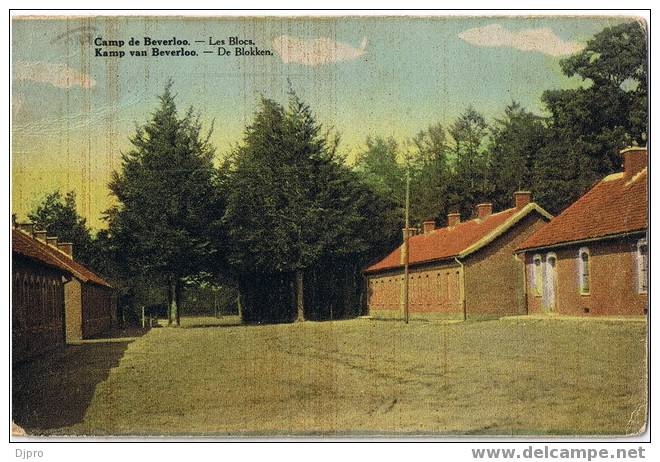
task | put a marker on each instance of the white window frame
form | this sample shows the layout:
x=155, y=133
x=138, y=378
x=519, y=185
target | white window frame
x=550, y=288
x=537, y=275
x=642, y=267
x=581, y=284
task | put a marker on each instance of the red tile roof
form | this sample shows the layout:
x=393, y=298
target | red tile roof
x=457, y=241
x=613, y=206
x=26, y=245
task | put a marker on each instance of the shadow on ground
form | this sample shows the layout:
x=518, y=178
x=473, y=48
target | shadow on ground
x=203, y=322
x=54, y=390
x=226, y=324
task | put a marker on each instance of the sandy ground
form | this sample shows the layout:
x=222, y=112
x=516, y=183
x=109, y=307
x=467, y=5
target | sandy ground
x=213, y=377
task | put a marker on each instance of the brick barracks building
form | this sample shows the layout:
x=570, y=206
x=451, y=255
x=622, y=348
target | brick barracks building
x=55, y=299
x=592, y=258
x=37, y=298
x=464, y=270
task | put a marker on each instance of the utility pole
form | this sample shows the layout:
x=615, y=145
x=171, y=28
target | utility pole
x=406, y=248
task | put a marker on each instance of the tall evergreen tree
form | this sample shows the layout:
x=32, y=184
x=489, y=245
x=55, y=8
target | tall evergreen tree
x=168, y=208
x=274, y=218
x=431, y=175
x=380, y=166
x=514, y=144
x=470, y=163
x=292, y=203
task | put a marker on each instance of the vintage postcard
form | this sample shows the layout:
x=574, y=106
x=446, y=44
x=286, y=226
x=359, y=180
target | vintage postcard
x=329, y=226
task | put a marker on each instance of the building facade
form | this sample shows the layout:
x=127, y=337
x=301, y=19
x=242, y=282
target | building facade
x=89, y=301
x=464, y=270
x=89, y=307
x=38, y=317
x=592, y=259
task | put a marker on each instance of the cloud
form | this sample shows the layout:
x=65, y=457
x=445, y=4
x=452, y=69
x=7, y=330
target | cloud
x=314, y=52
x=55, y=74
x=53, y=124
x=542, y=40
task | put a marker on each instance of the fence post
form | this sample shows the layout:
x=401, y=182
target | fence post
x=143, y=316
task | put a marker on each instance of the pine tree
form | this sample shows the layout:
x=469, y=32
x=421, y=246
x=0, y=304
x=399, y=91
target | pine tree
x=292, y=204
x=515, y=142
x=431, y=175
x=470, y=163
x=169, y=208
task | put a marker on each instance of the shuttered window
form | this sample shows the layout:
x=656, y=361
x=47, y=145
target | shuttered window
x=537, y=273
x=584, y=270
x=642, y=266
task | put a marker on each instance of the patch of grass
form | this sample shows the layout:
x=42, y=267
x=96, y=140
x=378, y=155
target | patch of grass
x=359, y=377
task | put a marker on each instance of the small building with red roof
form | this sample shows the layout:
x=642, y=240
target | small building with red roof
x=591, y=259
x=466, y=269
x=89, y=301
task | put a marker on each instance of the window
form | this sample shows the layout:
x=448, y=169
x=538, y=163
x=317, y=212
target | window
x=584, y=263
x=642, y=266
x=537, y=275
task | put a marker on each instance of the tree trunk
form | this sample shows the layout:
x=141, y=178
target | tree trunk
x=174, y=298
x=300, y=302
x=239, y=303
x=170, y=298
x=178, y=289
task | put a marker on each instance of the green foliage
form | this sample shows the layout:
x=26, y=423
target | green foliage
x=430, y=174
x=57, y=214
x=284, y=201
x=167, y=220
x=470, y=183
x=379, y=166
x=591, y=124
x=290, y=194
x=514, y=143
x=292, y=203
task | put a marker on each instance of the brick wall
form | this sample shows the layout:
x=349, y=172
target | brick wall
x=73, y=305
x=37, y=308
x=494, y=284
x=97, y=309
x=432, y=290
x=613, y=281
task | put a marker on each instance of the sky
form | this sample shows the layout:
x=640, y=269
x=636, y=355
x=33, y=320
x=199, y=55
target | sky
x=73, y=111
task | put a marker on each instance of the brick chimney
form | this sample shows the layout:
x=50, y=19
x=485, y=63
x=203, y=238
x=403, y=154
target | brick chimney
x=634, y=160
x=428, y=225
x=27, y=227
x=40, y=235
x=453, y=218
x=522, y=198
x=66, y=247
x=52, y=241
x=485, y=209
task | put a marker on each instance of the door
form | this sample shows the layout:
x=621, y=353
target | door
x=550, y=283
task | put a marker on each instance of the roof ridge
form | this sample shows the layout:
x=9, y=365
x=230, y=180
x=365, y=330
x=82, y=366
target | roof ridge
x=611, y=206
x=68, y=261
x=505, y=226
x=475, y=219
x=50, y=247
x=636, y=176
x=459, y=240
x=25, y=245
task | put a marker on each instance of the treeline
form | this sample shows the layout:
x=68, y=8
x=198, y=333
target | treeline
x=557, y=156
x=290, y=224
